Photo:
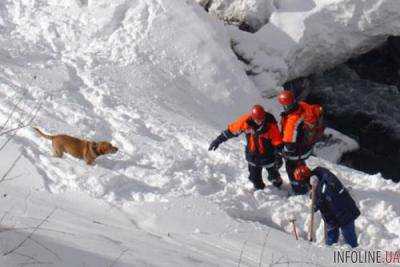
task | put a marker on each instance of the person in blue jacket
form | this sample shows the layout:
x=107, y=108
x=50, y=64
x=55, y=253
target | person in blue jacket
x=337, y=207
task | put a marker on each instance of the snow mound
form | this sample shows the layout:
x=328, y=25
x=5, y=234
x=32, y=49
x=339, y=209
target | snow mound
x=303, y=37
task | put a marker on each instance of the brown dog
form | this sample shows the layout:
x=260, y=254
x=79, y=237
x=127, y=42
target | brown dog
x=78, y=148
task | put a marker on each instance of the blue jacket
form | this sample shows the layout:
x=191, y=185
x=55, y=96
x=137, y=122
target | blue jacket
x=333, y=200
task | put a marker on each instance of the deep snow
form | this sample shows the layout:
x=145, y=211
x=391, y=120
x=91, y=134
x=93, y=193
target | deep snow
x=159, y=80
x=307, y=36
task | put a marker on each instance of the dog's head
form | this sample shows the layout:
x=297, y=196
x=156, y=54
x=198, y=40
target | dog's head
x=104, y=147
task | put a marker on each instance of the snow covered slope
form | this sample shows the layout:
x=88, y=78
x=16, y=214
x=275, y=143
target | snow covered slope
x=72, y=229
x=158, y=79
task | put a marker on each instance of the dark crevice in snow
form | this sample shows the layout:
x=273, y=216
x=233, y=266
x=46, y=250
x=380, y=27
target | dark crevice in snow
x=381, y=65
x=361, y=99
x=249, y=71
x=205, y=4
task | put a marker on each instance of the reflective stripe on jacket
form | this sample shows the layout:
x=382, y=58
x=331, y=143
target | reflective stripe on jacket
x=260, y=139
x=333, y=200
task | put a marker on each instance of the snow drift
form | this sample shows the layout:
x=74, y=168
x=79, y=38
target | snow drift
x=303, y=37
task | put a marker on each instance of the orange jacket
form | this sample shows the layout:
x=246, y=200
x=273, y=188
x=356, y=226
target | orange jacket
x=257, y=142
x=291, y=122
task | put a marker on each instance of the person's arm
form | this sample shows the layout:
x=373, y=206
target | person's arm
x=234, y=129
x=275, y=135
x=225, y=135
x=277, y=144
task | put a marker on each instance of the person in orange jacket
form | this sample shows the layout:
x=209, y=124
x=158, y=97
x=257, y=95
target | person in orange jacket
x=298, y=134
x=262, y=138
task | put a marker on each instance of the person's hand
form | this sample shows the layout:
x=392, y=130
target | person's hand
x=214, y=144
x=220, y=139
x=278, y=162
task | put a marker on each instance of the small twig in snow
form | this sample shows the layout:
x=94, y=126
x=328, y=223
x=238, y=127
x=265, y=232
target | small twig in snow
x=33, y=260
x=263, y=248
x=241, y=253
x=46, y=248
x=119, y=257
x=10, y=168
x=12, y=112
x=31, y=233
x=5, y=214
x=29, y=123
x=26, y=201
x=7, y=141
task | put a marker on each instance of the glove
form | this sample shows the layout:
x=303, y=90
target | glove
x=287, y=150
x=278, y=150
x=214, y=144
x=278, y=162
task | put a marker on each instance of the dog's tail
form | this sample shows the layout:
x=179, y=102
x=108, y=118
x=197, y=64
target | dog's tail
x=50, y=137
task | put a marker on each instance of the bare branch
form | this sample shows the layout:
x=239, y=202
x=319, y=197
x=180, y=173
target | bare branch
x=31, y=233
x=10, y=168
x=14, y=177
x=119, y=257
x=29, y=123
x=12, y=112
x=8, y=140
x=263, y=248
x=26, y=201
x=33, y=260
x=5, y=214
x=46, y=248
x=241, y=253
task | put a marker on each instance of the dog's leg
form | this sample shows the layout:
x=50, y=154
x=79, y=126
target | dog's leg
x=89, y=161
x=57, y=151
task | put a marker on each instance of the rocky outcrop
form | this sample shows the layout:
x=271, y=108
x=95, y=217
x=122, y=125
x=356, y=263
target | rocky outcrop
x=248, y=15
x=365, y=110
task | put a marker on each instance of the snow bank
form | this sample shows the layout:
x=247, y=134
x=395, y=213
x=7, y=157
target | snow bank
x=334, y=145
x=72, y=229
x=303, y=37
x=155, y=78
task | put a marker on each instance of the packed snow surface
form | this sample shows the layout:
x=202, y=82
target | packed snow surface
x=158, y=80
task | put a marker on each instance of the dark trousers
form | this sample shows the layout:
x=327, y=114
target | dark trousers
x=348, y=232
x=299, y=188
x=256, y=176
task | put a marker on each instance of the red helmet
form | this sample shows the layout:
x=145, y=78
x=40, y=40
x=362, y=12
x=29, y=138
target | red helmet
x=286, y=97
x=257, y=113
x=302, y=172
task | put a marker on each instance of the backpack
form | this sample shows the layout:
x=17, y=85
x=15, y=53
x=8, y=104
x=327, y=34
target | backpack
x=313, y=126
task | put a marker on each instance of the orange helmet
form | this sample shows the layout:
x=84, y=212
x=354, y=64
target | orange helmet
x=257, y=113
x=286, y=98
x=302, y=172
